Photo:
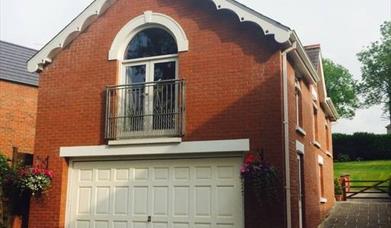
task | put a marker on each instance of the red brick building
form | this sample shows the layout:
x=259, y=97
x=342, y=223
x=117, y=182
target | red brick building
x=146, y=109
x=18, y=99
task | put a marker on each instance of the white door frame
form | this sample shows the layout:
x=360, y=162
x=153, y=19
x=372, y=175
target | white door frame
x=71, y=171
x=149, y=63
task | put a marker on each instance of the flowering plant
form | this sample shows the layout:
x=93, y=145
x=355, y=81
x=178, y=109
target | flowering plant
x=261, y=177
x=34, y=180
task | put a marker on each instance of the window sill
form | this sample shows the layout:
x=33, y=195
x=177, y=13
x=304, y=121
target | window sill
x=144, y=141
x=300, y=130
x=317, y=144
x=323, y=200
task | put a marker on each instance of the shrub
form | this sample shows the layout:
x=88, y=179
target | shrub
x=343, y=158
x=337, y=187
x=362, y=146
x=389, y=187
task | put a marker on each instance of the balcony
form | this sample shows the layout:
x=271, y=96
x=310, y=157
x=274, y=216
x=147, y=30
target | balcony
x=141, y=110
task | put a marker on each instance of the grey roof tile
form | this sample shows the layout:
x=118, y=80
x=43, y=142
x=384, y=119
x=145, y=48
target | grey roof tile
x=313, y=52
x=13, y=64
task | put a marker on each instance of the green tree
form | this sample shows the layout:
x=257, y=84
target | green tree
x=376, y=71
x=341, y=87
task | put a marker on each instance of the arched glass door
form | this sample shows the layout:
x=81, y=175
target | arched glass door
x=150, y=69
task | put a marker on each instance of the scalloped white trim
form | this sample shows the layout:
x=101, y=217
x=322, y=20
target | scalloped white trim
x=98, y=7
x=70, y=32
x=148, y=19
x=269, y=27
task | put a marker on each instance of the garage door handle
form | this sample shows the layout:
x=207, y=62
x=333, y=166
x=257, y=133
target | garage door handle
x=149, y=219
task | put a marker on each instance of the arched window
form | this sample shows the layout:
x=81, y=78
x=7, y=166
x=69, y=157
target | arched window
x=151, y=84
x=151, y=42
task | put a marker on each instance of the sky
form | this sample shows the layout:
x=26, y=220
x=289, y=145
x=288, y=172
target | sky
x=342, y=27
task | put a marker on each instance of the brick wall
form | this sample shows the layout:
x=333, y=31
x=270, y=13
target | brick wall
x=18, y=106
x=314, y=210
x=233, y=90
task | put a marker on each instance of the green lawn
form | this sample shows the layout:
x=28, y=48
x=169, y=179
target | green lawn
x=363, y=170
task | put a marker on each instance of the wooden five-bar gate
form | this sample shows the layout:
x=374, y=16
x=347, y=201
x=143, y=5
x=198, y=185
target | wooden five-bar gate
x=365, y=189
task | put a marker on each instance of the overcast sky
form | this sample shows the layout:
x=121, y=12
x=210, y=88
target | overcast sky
x=342, y=27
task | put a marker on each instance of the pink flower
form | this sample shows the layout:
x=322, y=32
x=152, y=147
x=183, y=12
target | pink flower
x=250, y=158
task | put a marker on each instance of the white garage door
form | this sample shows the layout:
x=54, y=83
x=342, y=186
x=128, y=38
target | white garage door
x=183, y=193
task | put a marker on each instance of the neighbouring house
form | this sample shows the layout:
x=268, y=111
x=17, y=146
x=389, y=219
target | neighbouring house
x=18, y=110
x=147, y=108
x=18, y=99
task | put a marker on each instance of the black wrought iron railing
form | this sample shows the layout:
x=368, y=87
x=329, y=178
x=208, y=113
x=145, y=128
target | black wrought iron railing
x=152, y=109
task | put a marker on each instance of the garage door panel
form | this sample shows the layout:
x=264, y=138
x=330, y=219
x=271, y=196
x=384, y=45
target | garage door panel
x=140, y=225
x=141, y=174
x=202, y=225
x=120, y=224
x=203, y=201
x=180, y=225
x=181, y=173
x=183, y=193
x=203, y=172
x=121, y=174
x=181, y=201
x=103, y=174
x=225, y=196
x=225, y=172
x=82, y=224
x=121, y=200
x=85, y=175
x=159, y=225
x=140, y=200
x=160, y=200
x=84, y=201
x=161, y=174
x=101, y=224
x=102, y=204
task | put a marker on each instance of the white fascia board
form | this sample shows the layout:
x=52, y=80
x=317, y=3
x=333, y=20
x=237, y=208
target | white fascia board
x=190, y=147
x=70, y=32
x=303, y=57
x=332, y=108
x=280, y=32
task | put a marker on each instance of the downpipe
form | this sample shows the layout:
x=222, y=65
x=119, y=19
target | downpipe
x=286, y=133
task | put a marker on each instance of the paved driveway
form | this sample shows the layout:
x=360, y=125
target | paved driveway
x=359, y=214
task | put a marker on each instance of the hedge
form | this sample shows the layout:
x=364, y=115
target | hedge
x=361, y=146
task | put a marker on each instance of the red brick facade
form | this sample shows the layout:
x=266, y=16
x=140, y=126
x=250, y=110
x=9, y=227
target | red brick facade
x=18, y=107
x=233, y=90
x=314, y=210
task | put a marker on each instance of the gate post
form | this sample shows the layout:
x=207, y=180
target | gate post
x=345, y=183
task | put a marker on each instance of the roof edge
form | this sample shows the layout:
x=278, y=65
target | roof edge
x=270, y=27
x=304, y=57
x=68, y=34
x=330, y=109
x=44, y=56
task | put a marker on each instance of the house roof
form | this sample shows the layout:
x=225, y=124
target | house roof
x=270, y=27
x=13, y=64
x=281, y=34
x=313, y=52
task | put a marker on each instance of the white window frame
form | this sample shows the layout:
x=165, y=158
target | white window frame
x=298, y=96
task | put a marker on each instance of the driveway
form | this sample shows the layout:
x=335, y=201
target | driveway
x=359, y=214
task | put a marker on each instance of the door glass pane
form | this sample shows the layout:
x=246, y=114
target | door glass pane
x=134, y=97
x=164, y=96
